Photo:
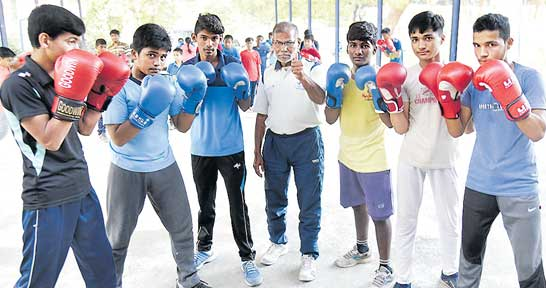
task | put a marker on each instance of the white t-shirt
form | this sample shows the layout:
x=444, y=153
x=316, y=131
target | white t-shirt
x=427, y=144
x=283, y=99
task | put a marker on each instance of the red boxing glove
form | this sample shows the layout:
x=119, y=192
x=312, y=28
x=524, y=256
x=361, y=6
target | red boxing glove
x=381, y=44
x=497, y=77
x=390, y=45
x=109, y=82
x=452, y=80
x=429, y=77
x=75, y=72
x=389, y=79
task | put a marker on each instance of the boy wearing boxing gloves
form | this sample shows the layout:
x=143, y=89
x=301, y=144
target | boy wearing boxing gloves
x=45, y=103
x=390, y=46
x=217, y=146
x=143, y=163
x=505, y=104
x=427, y=150
x=365, y=183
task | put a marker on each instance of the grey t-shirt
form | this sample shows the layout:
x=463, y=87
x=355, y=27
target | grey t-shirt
x=50, y=178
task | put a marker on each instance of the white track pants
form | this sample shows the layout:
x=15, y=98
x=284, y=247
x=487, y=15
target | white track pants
x=444, y=184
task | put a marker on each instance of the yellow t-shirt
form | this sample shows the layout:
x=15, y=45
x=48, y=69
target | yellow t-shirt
x=361, y=144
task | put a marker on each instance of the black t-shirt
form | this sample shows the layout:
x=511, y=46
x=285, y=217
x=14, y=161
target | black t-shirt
x=50, y=178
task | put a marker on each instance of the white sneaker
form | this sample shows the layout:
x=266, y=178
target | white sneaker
x=383, y=278
x=273, y=253
x=308, y=272
x=352, y=258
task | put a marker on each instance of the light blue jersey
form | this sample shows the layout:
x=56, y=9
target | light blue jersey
x=503, y=162
x=217, y=130
x=150, y=150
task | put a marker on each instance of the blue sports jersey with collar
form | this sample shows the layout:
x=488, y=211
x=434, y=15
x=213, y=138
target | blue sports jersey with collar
x=217, y=130
x=150, y=150
x=503, y=162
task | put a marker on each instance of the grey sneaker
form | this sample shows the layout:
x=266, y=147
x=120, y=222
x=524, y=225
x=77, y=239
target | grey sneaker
x=203, y=257
x=273, y=253
x=352, y=258
x=383, y=278
x=253, y=277
x=449, y=281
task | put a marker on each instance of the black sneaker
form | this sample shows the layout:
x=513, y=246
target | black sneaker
x=202, y=284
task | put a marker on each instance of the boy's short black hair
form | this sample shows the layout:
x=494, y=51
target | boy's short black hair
x=249, y=39
x=100, y=41
x=493, y=22
x=424, y=21
x=5, y=52
x=210, y=23
x=178, y=49
x=362, y=31
x=54, y=21
x=187, y=40
x=228, y=37
x=309, y=37
x=386, y=30
x=114, y=31
x=152, y=36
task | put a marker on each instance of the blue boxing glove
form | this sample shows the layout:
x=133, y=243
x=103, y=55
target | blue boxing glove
x=208, y=70
x=365, y=78
x=235, y=76
x=338, y=75
x=194, y=83
x=156, y=95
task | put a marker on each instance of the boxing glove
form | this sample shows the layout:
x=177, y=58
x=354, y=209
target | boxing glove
x=365, y=77
x=381, y=44
x=235, y=76
x=452, y=80
x=389, y=79
x=208, y=70
x=386, y=45
x=429, y=77
x=74, y=74
x=337, y=76
x=156, y=95
x=109, y=82
x=390, y=45
x=194, y=83
x=497, y=77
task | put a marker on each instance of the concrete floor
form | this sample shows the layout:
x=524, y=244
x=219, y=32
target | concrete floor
x=150, y=264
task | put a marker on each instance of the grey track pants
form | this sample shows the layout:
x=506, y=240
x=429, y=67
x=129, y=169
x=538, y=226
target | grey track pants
x=521, y=218
x=165, y=189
